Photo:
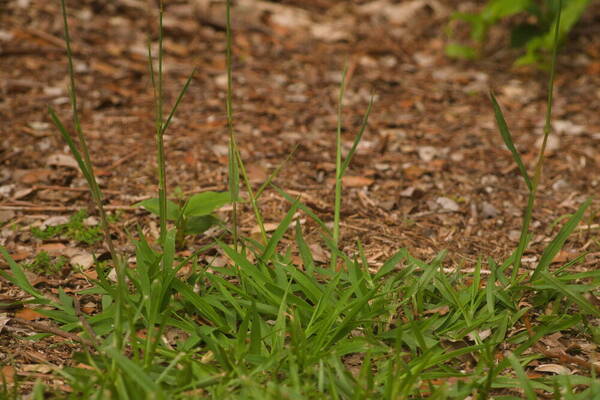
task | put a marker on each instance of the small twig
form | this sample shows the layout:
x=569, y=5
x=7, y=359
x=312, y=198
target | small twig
x=354, y=227
x=587, y=227
x=120, y=161
x=8, y=156
x=427, y=213
x=45, y=36
x=71, y=189
x=54, y=330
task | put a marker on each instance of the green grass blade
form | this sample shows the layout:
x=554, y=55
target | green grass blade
x=135, y=372
x=72, y=146
x=279, y=232
x=18, y=276
x=565, y=291
x=201, y=305
x=307, y=259
x=522, y=376
x=524, y=237
x=275, y=173
x=245, y=265
x=182, y=93
x=391, y=263
x=507, y=137
x=358, y=137
x=253, y=199
x=304, y=208
x=557, y=244
x=311, y=288
x=280, y=322
x=255, y=332
x=549, y=101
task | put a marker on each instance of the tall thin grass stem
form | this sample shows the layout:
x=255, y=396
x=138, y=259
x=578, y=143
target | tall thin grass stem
x=338, y=168
x=87, y=169
x=159, y=121
x=537, y=176
x=234, y=185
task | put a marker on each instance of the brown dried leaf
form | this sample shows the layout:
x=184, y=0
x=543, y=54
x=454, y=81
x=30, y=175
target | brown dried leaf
x=3, y=321
x=39, y=368
x=8, y=373
x=61, y=160
x=356, y=181
x=443, y=310
x=32, y=175
x=53, y=249
x=28, y=314
x=553, y=368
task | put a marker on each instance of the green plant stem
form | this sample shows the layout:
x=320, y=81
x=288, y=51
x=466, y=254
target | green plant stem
x=253, y=199
x=88, y=171
x=94, y=187
x=160, y=146
x=338, y=169
x=537, y=176
x=233, y=150
x=548, y=123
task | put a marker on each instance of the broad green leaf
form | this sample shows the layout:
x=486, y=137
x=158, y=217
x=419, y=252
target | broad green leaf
x=205, y=203
x=460, y=51
x=570, y=14
x=152, y=205
x=200, y=224
x=523, y=33
x=497, y=9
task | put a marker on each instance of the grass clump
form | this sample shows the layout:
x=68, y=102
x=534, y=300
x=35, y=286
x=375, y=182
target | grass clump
x=265, y=327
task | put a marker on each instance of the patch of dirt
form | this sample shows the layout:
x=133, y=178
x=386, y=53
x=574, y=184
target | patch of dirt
x=431, y=174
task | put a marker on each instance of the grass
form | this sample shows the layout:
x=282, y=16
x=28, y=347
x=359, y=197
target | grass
x=266, y=327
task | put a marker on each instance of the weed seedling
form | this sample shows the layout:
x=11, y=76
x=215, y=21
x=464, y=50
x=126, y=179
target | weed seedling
x=194, y=216
x=536, y=34
x=75, y=229
x=44, y=264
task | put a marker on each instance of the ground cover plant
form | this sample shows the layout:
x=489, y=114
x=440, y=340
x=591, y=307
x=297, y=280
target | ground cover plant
x=535, y=35
x=269, y=324
x=73, y=229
